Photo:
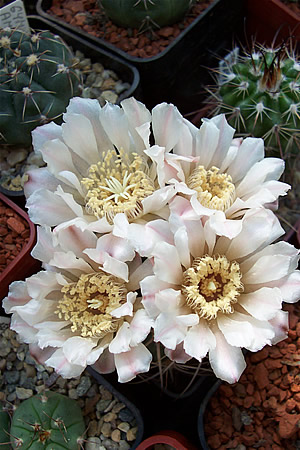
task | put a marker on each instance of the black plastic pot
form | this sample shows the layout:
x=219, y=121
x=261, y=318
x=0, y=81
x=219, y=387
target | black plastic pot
x=133, y=409
x=212, y=387
x=125, y=71
x=179, y=73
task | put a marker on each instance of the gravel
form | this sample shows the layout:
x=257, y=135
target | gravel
x=109, y=423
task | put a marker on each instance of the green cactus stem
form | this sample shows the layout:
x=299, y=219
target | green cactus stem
x=4, y=429
x=47, y=421
x=37, y=80
x=142, y=14
x=260, y=95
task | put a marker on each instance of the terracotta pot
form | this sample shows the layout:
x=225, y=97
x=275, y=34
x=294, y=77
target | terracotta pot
x=168, y=437
x=179, y=73
x=23, y=265
x=267, y=19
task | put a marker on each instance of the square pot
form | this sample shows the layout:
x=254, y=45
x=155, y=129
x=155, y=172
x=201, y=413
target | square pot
x=179, y=73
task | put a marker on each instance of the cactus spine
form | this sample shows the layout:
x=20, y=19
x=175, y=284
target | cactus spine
x=260, y=95
x=142, y=14
x=49, y=420
x=37, y=81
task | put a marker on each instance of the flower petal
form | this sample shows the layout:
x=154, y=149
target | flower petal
x=199, y=340
x=262, y=304
x=121, y=342
x=167, y=264
x=129, y=364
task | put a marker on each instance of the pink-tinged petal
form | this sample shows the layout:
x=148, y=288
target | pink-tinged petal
x=150, y=286
x=62, y=366
x=157, y=155
x=139, y=118
x=262, y=304
x=206, y=142
x=58, y=157
x=290, y=287
x=169, y=300
x=227, y=362
x=178, y=355
x=77, y=349
x=95, y=353
x=35, y=311
x=198, y=208
x=105, y=363
x=169, y=331
x=17, y=296
x=45, y=133
x=231, y=154
x=223, y=226
x=167, y=264
x=25, y=332
x=71, y=180
x=115, y=267
x=156, y=201
x=167, y=123
x=121, y=226
x=44, y=248
x=186, y=142
x=115, y=124
x=48, y=208
x=113, y=246
x=129, y=364
x=259, y=228
x=121, y=342
x=78, y=134
x=41, y=284
x=38, y=178
x=90, y=108
x=250, y=152
x=199, y=340
x=140, y=327
x=68, y=261
x=127, y=308
x=224, y=142
x=47, y=336
x=267, y=169
x=41, y=355
x=181, y=240
x=73, y=239
x=144, y=237
x=280, y=324
x=138, y=272
x=267, y=268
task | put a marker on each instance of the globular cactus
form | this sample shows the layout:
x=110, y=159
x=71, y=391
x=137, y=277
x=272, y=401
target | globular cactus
x=142, y=14
x=4, y=429
x=260, y=95
x=48, y=420
x=37, y=81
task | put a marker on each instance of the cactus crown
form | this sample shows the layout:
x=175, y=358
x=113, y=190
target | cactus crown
x=47, y=420
x=145, y=14
x=37, y=81
x=260, y=94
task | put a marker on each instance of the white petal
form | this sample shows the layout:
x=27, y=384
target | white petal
x=45, y=133
x=166, y=124
x=167, y=263
x=199, y=340
x=223, y=226
x=38, y=178
x=181, y=244
x=224, y=142
x=280, y=324
x=250, y=152
x=145, y=237
x=114, y=246
x=150, y=286
x=62, y=366
x=115, y=124
x=17, y=296
x=130, y=364
x=227, y=362
x=115, y=267
x=290, y=287
x=47, y=336
x=68, y=261
x=121, y=342
x=41, y=284
x=154, y=202
x=25, y=332
x=262, y=304
x=44, y=248
x=169, y=331
x=206, y=142
x=139, y=118
x=105, y=363
x=140, y=327
x=72, y=238
x=58, y=157
x=127, y=308
x=178, y=355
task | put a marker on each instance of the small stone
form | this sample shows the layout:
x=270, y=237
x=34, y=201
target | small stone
x=73, y=394
x=23, y=393
x=116, y=435
x=93, y=443
x=102, y=405
x=16, y=156
x=123, y=445
x=288, y=425
x=12, y=377
x=261, y=376
x=109, y=96
x=131, y=434
x=109, y=417
x=93, y=425
x=30, y=371
x=83, y=386
x=106, y=429
x=105, y=394
x=108, y=444
x=124, y=426
x=126, y=415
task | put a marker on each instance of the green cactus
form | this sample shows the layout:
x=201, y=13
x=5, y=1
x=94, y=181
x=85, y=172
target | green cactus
x=47, y=421
x=260, y=95
x=142, y=14
x=37, y=81
x=4, y=429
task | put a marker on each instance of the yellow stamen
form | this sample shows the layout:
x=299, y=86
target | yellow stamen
x=117, y=185
x=88, y=303
x=214, y=190
x=212, y=285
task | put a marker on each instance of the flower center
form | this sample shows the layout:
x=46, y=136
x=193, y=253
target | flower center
x=211, y=285
x=214, y=190
x=116, y=185
x=88, y=303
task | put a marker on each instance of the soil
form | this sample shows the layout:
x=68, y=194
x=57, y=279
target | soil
x=89, y=17
x=14, y=234
x=262, y=410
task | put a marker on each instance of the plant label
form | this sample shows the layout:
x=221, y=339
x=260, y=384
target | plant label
x=14, y=16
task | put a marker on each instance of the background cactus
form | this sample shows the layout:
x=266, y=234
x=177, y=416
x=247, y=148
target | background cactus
x=48, y=420
x=4, y=429
x=260, y=95
x=143, y=14
x=36, y=82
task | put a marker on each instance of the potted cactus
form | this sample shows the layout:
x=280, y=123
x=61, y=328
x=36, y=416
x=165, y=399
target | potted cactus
x=44, y=420
x=178, y=73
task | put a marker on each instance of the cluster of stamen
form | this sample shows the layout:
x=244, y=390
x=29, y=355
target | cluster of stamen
x=88, y=304
x=117, y=185
x=214, y=190
x=212, y=285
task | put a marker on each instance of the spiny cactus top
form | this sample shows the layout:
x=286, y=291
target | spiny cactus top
x=50, y=421
x=260, y=94
x=36, y=82
x=143, y=14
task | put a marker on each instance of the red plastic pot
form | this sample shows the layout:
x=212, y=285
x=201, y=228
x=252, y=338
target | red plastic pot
x=170, y=437
x=23, y=265
x=267, y=19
